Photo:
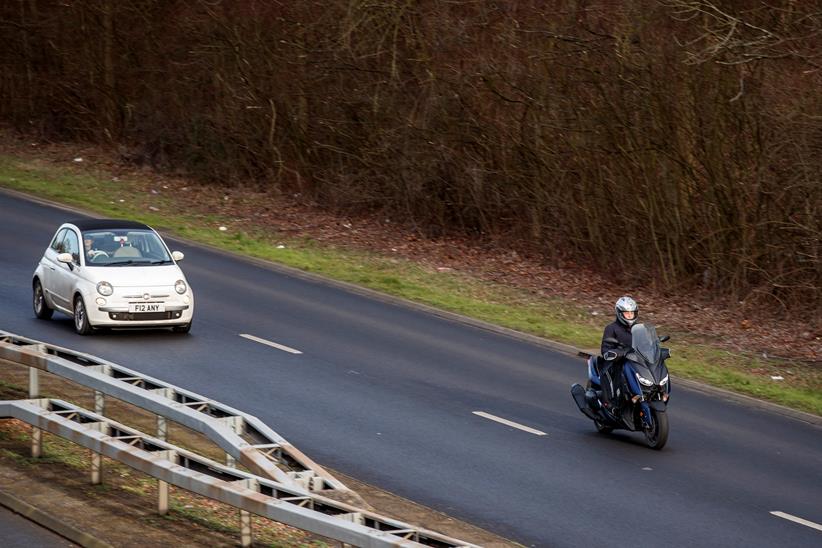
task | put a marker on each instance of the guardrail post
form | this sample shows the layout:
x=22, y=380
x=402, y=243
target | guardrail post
x=34, y=383
x=245, y=517
x=99, y=402
x=162, y=500
x=36, y=442
x=162, y=428
x=162, y=486
x=245, y=528
x=96, y=468
x=36, y=433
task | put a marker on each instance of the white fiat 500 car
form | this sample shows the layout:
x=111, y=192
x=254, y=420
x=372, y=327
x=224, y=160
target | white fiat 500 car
x=109, y=273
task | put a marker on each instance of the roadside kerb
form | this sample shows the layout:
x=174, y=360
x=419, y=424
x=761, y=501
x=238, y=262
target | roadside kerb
x=50, y=522
x=220, y=423
x=248, y=492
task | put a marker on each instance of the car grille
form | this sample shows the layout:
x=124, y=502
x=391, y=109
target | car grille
x=144, y=316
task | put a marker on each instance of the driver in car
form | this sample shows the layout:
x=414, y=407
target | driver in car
x=91, y=253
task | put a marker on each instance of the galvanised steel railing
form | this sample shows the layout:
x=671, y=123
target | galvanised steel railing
x=276, y=466
x=268, y=454
x=184, y=469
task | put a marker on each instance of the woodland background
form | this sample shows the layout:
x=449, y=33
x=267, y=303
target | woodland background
x=674, y=141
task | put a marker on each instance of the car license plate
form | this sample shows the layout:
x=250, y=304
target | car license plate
x=146, y=307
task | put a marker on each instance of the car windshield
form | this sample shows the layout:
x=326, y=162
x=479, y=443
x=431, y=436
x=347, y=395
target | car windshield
x=125, y=247
x=645, y=342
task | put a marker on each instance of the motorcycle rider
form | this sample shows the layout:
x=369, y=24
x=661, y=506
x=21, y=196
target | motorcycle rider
x=627, y=313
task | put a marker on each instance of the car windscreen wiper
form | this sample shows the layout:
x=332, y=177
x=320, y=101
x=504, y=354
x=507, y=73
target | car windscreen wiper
x=162, y=261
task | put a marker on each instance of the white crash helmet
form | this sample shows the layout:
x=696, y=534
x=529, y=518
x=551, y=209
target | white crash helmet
x=626, y=304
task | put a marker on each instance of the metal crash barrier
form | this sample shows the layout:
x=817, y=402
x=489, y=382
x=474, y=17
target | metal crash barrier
x=283, y=485
x=187, y=470
x=270, y=455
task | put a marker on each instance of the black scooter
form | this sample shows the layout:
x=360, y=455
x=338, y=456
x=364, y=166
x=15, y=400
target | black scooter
x=629, y=388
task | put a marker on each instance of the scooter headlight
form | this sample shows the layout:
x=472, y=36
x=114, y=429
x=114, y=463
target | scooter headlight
x=664, y=381
x=643, y=381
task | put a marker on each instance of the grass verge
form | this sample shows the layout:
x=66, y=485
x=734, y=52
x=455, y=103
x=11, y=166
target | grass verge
x=800, y=387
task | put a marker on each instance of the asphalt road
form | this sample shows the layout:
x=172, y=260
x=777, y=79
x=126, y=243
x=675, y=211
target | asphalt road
x=18, y=532
x=387, y=394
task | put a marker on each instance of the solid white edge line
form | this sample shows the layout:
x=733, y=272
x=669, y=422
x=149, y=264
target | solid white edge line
x=795, y=519
x=269, y=343
x=506, y=422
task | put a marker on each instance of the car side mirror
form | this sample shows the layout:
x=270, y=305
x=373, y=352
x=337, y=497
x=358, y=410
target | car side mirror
x=65, y=258
x=177, y=255
x=610, y=356
x=664, y=338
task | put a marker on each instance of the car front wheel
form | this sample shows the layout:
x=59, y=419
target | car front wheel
x=81, y=323
x=41, y=308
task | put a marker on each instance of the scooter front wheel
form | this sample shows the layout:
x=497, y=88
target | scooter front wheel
x=657, y=435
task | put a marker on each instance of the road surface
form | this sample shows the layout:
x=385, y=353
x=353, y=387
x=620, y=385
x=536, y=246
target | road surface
x=410, y=402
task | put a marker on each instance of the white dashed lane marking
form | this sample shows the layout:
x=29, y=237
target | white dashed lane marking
x=800, y=521
x=269, y=343
x=512, y=424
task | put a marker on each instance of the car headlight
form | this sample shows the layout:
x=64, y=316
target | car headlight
x=664, y=381
x=180, y=287
x=105, y=289
x=642, y=380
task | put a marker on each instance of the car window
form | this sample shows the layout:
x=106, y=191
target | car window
x=117, y=247
x=72, y=245
x=57, y=242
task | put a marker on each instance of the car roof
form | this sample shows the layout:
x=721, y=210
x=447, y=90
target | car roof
x=109, y=224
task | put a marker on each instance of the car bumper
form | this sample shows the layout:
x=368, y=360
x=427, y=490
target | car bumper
x=117, y=314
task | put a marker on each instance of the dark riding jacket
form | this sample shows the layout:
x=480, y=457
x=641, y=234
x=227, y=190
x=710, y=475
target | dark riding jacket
x=618, y=331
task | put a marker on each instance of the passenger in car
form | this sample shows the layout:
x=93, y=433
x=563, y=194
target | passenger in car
x=127, y=251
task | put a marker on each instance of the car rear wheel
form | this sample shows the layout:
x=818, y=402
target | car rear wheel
x=41, y=308
x=81, y=323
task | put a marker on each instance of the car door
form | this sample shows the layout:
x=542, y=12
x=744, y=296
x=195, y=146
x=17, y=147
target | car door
x=50, y=263
x=65, y=275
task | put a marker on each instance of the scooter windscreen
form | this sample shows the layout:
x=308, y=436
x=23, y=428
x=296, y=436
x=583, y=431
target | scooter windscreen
x=645, y=343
